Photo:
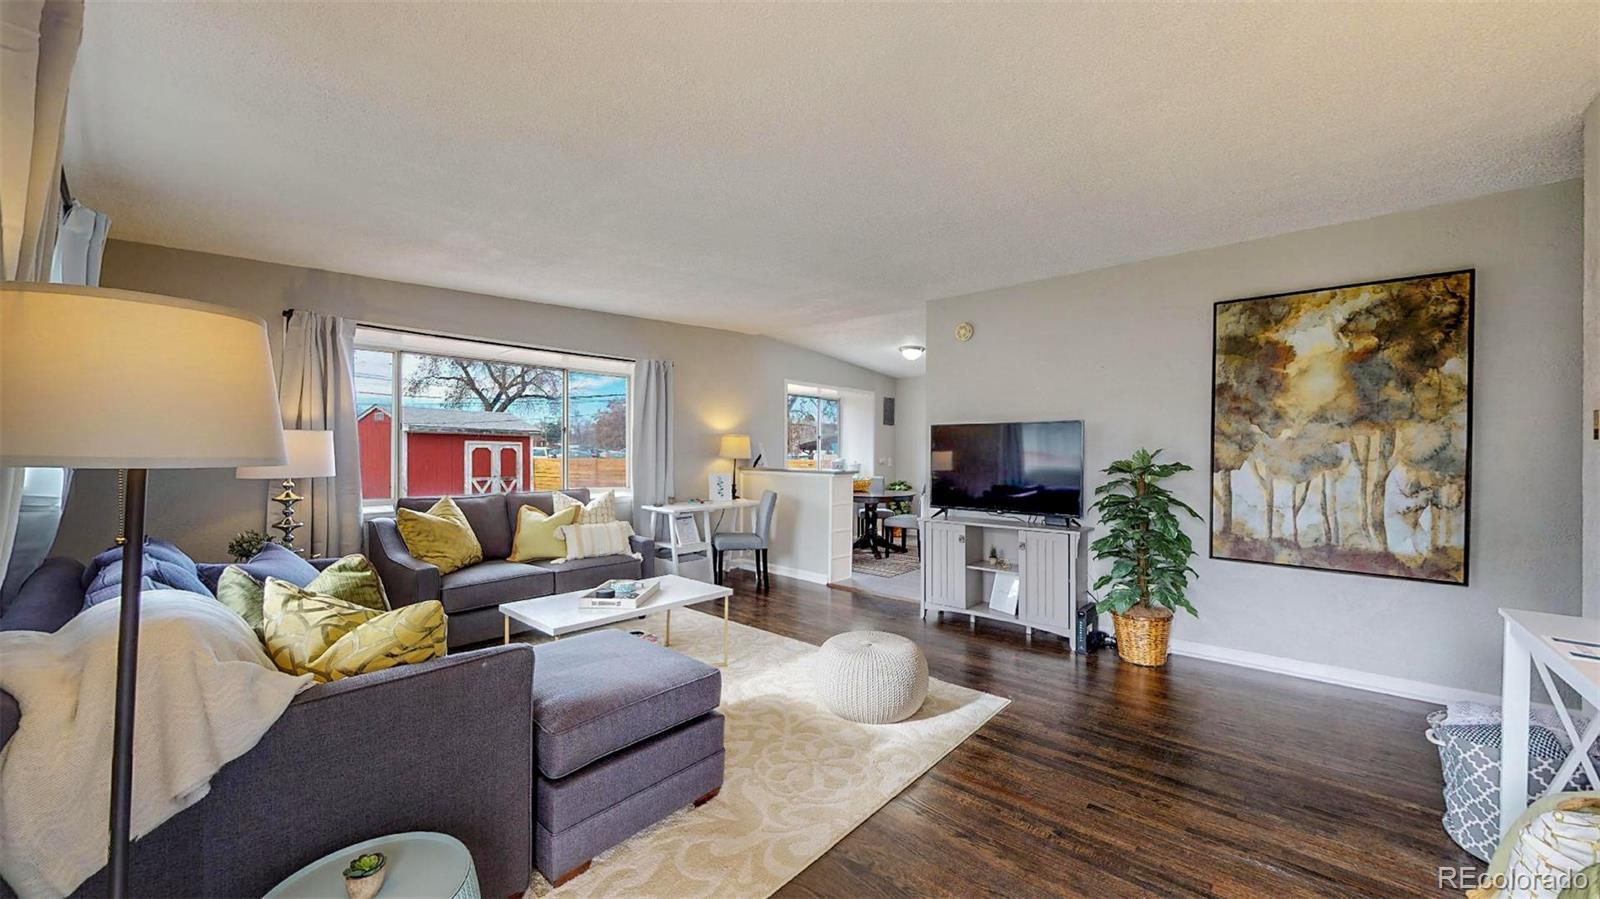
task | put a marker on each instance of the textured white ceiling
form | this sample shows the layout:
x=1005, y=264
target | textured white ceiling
x=812, y=172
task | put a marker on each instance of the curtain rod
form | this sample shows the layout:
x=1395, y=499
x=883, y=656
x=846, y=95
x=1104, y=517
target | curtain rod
x=504, y=343
x=288, y=313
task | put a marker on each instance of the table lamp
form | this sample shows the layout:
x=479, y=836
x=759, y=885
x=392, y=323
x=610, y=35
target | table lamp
x=735, y=447
x=310, y=456
x=98, y=378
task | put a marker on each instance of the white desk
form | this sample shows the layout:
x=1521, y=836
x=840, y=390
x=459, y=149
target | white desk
x=680, y=544
x=1546, y=641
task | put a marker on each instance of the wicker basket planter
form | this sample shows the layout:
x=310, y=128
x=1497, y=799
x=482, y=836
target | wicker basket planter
x=1142, y=639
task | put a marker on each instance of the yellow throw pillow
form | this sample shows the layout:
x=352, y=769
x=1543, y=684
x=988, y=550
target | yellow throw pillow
x=240, y=592
x=440, y=536
x=539, y=535
x=330, y=639
x=601, y=509
x=352, y=579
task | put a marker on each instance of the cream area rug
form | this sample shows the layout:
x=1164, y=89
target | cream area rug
x=798, y=778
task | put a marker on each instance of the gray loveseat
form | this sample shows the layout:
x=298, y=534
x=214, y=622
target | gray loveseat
x=471, y=595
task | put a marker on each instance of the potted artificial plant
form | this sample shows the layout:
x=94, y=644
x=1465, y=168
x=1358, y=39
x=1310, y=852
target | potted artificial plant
x=364, y=877
x=1149, y=555
x=246, y=544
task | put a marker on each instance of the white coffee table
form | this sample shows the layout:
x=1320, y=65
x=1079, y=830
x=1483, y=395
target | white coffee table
x=559, y=615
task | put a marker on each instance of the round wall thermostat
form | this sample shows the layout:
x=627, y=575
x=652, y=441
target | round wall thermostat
x=964, y=332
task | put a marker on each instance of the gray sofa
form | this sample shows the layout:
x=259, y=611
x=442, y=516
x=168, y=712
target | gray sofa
x=614, y=735
x=471, y=595
x=441, y=746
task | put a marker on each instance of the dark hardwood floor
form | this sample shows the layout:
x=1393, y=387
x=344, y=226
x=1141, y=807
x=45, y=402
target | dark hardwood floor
x=1105, y=779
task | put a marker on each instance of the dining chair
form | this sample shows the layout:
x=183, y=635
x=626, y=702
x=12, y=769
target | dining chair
x=868, y=522
x=908, y=521
x=758, y=541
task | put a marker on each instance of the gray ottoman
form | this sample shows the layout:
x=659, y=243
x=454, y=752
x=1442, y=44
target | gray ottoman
x=626, y=733
x=871, y=677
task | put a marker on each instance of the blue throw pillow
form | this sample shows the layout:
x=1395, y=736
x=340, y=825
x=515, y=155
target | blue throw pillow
x=157, y=575
x=109, y=588
x=162, y=566
x=283, y=564
x=155, y=548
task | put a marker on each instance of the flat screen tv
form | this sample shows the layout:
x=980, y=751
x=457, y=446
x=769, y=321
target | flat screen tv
x=1021, y=467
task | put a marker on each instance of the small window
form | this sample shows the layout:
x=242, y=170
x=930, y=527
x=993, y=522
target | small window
x=813, y=430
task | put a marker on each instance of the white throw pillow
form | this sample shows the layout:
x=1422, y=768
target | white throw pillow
x=585, y=541
x=600, y=509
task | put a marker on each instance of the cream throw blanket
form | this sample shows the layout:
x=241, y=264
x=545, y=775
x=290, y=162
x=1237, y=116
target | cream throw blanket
x=206, y=694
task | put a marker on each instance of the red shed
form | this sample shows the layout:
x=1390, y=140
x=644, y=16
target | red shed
x=449, y=451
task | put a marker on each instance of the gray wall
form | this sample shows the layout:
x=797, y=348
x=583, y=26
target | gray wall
x=1128, y=349
x=725, y=381
x=911, y=431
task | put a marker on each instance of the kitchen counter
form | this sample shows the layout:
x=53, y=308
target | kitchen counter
x=814, y=522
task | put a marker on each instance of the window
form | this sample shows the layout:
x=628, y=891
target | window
x=813, y=438
x=440, y=415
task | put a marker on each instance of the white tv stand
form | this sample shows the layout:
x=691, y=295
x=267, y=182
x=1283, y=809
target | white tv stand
x=1050, y=564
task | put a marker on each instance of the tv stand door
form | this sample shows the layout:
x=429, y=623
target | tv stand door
x=944, y=564
x=1047, y=580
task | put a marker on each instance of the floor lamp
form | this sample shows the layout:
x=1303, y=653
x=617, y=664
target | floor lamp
x=98, y=378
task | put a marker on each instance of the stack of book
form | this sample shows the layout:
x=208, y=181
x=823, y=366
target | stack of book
x=623, y=594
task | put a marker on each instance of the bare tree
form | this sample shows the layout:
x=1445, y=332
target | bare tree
x=473, y=383
x=611, y=426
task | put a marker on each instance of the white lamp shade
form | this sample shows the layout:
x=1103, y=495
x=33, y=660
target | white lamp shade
x=98, y=378
x=735, y=446
x=310, y=456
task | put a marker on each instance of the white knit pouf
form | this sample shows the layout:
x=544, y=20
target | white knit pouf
x=871, y=676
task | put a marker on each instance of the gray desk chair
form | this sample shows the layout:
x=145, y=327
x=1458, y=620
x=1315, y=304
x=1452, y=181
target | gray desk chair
x=759, y=542
x=907, y=521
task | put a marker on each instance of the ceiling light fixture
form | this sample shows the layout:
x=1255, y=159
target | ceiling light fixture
x=912, y=352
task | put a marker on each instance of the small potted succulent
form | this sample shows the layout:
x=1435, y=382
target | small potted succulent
x=364, y=877
x=1149, y=555
x=246, y=544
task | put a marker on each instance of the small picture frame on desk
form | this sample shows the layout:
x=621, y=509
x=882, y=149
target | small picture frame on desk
x=684, y=530
x=721, y=488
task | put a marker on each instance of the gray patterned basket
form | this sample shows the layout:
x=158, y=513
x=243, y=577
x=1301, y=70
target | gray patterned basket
x=1470, y=757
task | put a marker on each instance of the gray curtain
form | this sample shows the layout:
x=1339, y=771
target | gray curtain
x=652, y=440
x=79, y=245
x=38, y=46
x=317, y=390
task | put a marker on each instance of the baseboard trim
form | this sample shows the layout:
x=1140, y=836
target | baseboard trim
x=1331, y=674
x=799, y=574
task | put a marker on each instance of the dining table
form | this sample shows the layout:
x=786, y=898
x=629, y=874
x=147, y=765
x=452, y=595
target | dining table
x=872, y=536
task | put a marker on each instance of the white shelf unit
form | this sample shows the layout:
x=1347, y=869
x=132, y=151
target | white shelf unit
x=1051, y=564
